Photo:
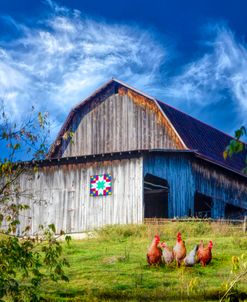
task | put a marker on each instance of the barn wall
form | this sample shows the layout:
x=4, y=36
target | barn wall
x=121, y=122
x=61, y=196
x=186, y=176
x=222, y=186
x=176, y=169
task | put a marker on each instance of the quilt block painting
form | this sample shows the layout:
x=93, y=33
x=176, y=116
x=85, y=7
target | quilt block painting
x=101, y=185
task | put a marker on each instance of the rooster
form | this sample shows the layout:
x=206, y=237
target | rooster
x=190, y=259
x=154, y=252
x=179, y=250
x=204, y=254
x=167, y=254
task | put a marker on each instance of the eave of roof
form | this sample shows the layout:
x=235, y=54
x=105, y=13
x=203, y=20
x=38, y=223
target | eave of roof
x=207, y=159
x=124, y=155
x=103, y=157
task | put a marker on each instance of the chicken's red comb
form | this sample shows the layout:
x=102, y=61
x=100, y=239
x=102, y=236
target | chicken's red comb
x=210, y=243
x=157, y=237
x=179, y=234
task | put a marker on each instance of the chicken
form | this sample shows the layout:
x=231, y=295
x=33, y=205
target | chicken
x=190, y=259
x=154, y=252
x=167, y=254
x=204, y=254
x=200, y=248
x=179, y=250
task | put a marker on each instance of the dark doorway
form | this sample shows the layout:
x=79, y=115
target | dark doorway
x=155, y=197
x=202, y=206
x=234, y=212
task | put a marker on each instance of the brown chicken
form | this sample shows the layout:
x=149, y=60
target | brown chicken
x=154, y=252
x=179, y=250
x=204, y=254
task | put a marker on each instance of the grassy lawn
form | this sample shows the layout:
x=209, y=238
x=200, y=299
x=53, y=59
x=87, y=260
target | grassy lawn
x=112, y=266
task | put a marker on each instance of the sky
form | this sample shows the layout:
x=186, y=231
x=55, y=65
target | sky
x=190, y=54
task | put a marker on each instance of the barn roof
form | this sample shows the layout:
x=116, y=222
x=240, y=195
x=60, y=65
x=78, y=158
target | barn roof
x=209, y=142
x=206, y=141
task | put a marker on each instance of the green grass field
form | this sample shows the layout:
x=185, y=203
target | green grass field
x=112, y=267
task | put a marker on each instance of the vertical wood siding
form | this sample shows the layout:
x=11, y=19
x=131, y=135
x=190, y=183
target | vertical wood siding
x=119, y=123
x=185, y=176
x=176, y=169
x=61, y=196
x=222, y=187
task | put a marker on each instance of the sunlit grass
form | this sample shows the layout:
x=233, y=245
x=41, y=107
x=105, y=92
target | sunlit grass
x=113, y=266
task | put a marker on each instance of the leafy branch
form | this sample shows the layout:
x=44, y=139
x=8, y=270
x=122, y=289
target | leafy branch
x=236, y=145
x=28, y=261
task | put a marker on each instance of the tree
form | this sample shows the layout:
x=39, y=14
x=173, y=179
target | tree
x=25, y=261
x=236, y=145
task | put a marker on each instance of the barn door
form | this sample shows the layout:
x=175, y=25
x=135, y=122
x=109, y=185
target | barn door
x=70, y=225
x=234, y=212
x=203, y=205
x=155, y=197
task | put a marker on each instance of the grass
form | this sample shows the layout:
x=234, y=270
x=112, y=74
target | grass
x=112, y=267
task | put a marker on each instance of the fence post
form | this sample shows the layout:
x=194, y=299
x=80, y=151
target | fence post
x=244, y=224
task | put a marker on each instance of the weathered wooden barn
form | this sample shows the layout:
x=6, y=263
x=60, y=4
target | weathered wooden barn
x=132, y=157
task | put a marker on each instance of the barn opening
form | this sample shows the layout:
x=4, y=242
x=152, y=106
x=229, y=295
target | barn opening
x=202, y=205
x=156, y=191
x=233, y=212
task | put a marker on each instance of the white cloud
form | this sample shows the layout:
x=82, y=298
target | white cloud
x=218, y=75
x=65, y=57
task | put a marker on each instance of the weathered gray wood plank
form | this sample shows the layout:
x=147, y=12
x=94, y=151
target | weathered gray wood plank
x=119, y=124
x=65, y=189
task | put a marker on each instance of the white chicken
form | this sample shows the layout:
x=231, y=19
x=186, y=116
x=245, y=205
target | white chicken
x=190, y=259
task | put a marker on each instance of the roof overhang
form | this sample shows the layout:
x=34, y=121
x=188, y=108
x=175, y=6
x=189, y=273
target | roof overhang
x=103, y=157
x=216, y=163
x=125, y=155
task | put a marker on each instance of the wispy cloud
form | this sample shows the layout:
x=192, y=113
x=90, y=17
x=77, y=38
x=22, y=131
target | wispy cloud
x=63, y=58
x=218, y=76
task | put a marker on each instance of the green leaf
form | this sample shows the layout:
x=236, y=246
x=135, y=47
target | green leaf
x=68, y=239
x=52, y=227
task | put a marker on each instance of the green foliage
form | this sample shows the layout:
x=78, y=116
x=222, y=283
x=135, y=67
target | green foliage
x=25, y=262
x=236, y=146
x=23, y=267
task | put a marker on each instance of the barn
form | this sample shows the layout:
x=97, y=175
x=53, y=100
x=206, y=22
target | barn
x=133, y=157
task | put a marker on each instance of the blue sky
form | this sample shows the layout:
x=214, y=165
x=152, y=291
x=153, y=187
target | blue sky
x=190, y=54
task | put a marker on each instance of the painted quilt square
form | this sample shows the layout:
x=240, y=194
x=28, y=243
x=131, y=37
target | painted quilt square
x=101, y=185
